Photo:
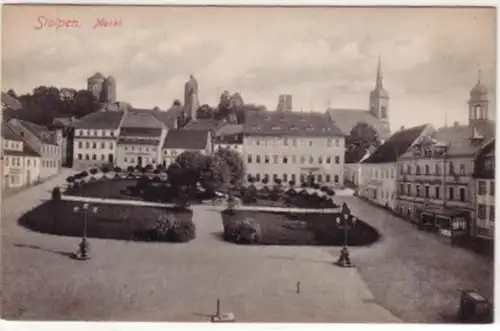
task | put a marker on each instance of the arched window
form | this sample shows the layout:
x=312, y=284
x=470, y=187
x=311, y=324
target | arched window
x=87, y=144
x=94, y=145
x=87, y=157
x=427, y=170
x=80, y=144
x=80, y=156
x=102, y=145
x=94, y=157
x=383, y=112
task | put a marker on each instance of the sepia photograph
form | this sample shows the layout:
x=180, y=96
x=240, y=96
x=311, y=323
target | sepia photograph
x=246, y=164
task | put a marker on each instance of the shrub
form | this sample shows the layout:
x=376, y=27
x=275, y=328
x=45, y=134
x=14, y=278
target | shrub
x=181, y=231
x=117, y=169
x=156, y=171
x=148, y=167
x=277, y=181
x=70, y=180
x=84, y=174
x=56, y=193
x=303, y=185
x=130, y=169
x=291, y=183
x=265, y=180
x=243, y=231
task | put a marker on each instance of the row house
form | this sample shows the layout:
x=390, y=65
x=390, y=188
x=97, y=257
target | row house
x=483, y=226
x=46, y=143
x=181, y=140
x=229, y=136
x=293, y=147
x=140, y=140
x=20, y=162
x=379, y=170
x=436, y=189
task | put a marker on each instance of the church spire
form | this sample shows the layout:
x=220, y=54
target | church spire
x=379, y=73
x=479, y=75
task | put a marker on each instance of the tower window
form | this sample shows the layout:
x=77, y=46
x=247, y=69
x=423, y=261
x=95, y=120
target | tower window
x=383, y=112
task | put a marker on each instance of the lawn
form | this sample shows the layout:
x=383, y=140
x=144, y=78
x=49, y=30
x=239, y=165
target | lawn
x=111, y=221
x=283, y=228
x=287, y=199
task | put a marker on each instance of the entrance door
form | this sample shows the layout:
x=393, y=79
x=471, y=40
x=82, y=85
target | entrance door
x=139, y=161
x=110, y=158
x=28, y=177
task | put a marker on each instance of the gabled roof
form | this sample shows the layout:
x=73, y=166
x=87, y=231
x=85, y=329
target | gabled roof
x=186, y=139
x=164, y=117
x=204, y=125
x=11, y=102
x=272, y=123
x=458, y=137
x=140, y=119
x=41, y=132
x=140, y=132
x=396, y=145
x=101, y=120
x=346, y=119
x=8, y=133
x=229, y=129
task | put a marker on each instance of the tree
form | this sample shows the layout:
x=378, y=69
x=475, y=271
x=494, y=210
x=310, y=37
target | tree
x=235, y=162
x=361, y=138
x=205, y=112
x=217, y=175
x=187, y=168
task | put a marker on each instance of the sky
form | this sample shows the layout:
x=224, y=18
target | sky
x=321, y=56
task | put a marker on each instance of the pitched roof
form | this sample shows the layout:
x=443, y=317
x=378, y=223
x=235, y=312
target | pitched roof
x=8, y=133
x=140, y=132
x=41, y=132
x=168, y=119
x=396, y=145
x=204, y=125
x=186, y=139
x=346, y=119
x=138, y=141
x=229, y=129
x=140, y=119
x=457, y=137
x=102, y=119
x=11, y=102
x=272, y=123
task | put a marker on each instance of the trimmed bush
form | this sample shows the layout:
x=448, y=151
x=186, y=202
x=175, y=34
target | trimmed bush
x=181, y=231
x=130, y=169
x=56, y=193
x=117, y=169
x=93, y=171
x=245, y=231
x=70, y=180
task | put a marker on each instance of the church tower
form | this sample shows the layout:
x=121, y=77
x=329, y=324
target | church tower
x=109, y=90
x=379, y=98
x=191, y=102
x=95, y=85
x=478, y=102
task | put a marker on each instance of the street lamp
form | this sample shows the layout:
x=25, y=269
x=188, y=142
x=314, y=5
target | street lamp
x=83, y=250
x=346, y=222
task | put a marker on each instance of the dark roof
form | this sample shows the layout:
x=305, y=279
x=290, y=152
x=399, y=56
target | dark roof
x=203, y=125
x=346, y=119
x=141, y=119
x=97, y=75
x=487, y=152
x=107, y=120
x=269, y=123
x=41, y=132
x=138, y=141
x=10, y=101
x=396, y=145
x=139, y=132
x=64, y=121
x=235, y=138
x=8, y=133
x=186, y=139
x=229, y=129
x=457, y=137
x=168, y=119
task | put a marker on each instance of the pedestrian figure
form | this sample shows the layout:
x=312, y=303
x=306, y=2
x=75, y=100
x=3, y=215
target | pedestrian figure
x=298, y=287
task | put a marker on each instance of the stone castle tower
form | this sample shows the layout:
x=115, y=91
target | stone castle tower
x=478, y=102
x=379, y=98
x=191, y=102
x=104, y=89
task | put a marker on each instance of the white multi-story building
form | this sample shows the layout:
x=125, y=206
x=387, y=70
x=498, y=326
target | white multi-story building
x=20, y=162
x=294, y=147
x=484, y=175
x=229, y=136
x=46, y=143
x=379, y=170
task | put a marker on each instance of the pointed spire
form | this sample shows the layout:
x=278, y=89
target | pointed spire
x=379, y=72
x=479, y=75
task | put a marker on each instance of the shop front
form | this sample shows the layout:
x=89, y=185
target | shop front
x=447, y=222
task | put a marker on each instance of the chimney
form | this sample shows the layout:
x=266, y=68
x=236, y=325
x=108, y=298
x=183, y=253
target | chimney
x=455, y=124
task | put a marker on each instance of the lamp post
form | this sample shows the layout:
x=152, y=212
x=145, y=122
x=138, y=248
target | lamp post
x=83, y=250
x=345, y=221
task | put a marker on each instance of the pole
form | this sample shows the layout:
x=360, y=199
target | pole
x=85, y=225
x=218, y=307
x=345, y=232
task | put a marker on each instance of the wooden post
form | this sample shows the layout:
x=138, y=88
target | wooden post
x=218, y=308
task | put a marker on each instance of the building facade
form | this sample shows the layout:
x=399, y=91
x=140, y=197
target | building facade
x=379, y=170
x=284, y=103
x=293, y=147
x=180, y=140
x=20, y=162
x=484, y=174
x=103, y=88
x=229, y=136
